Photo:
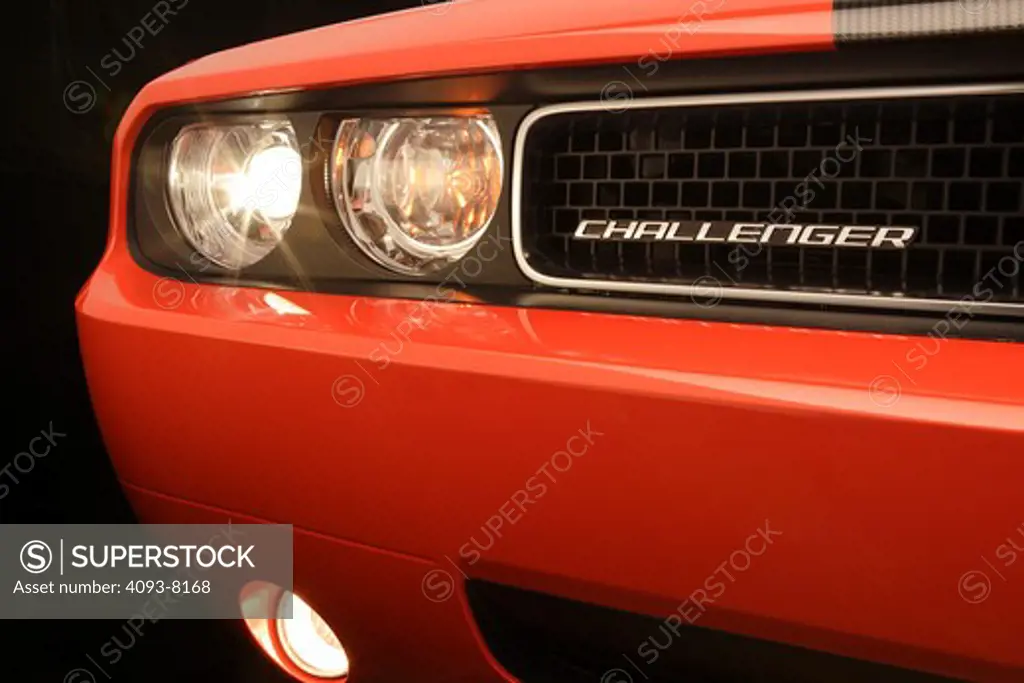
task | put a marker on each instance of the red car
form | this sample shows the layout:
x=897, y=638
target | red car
x=606, y=341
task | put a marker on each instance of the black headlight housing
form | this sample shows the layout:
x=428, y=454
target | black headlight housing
x=318, y=255
x=317, y=252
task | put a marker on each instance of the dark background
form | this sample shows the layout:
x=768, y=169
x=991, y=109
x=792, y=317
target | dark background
x=55, y=190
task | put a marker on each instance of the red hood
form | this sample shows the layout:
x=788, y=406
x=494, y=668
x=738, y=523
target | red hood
x=477, y=35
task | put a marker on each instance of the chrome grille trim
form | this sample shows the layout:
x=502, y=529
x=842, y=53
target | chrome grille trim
x=740, y=293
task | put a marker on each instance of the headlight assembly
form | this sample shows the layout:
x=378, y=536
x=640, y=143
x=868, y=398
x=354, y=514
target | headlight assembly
x=234, y=189
x=416, y=194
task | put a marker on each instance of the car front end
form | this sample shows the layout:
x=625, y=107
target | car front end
x=617, y=342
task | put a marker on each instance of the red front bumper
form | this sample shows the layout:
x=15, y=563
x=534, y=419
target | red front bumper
x=892, y=482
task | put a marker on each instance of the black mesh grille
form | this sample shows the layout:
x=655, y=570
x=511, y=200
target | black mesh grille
x=951, y=166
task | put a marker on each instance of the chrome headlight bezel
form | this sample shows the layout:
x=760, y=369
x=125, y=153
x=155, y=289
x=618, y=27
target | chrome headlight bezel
x=461, y=156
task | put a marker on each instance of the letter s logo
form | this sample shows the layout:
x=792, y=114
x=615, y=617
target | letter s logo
x=36, y=557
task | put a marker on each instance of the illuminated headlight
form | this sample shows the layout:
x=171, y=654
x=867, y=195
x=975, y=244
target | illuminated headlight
x=417, y=193
x=308, y=641
x=234, y=189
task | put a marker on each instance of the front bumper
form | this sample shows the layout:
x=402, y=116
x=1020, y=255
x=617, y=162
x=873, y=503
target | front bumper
x=399, y=439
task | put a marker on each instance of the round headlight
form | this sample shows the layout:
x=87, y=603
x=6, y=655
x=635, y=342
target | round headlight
x=308, y=641
x=234, y=189
x=417, y=193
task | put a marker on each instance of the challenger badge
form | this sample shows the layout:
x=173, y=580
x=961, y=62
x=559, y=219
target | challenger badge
x=727, y=232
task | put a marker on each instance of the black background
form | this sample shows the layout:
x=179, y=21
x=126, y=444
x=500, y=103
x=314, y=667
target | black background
x=55, y=195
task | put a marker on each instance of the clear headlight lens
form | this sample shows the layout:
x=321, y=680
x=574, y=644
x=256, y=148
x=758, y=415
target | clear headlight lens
x=234, y=189
x=417, y=193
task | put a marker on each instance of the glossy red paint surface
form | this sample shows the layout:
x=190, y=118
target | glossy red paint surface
x=707, y=431
x=279, y=407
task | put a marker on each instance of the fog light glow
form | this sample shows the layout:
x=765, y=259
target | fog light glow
x=309, y=642
x=302, y=644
